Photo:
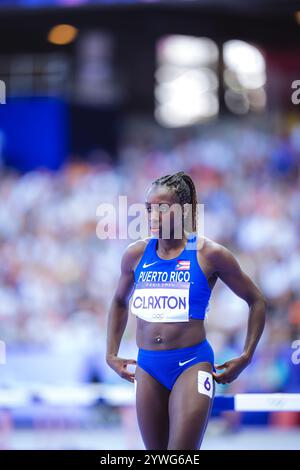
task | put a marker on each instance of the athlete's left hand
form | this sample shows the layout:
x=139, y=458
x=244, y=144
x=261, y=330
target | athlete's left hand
x=233, y=368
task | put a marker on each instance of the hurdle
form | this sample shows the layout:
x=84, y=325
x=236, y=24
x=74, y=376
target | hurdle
x=124, y=395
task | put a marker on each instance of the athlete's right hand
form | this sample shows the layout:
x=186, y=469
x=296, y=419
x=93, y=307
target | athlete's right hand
x=119, y=365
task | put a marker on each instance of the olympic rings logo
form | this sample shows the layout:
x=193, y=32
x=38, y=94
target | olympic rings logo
x=158, y=315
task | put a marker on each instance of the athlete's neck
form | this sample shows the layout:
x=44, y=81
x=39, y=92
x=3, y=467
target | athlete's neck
x=167, y=246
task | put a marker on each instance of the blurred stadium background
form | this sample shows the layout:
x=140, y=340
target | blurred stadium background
x=98, y=98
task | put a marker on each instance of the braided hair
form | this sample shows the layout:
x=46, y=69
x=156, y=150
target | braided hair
x=184, y=188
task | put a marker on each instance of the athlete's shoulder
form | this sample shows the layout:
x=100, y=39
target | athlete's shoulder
x=133, y=253
x=207, y=246
x=215, y=253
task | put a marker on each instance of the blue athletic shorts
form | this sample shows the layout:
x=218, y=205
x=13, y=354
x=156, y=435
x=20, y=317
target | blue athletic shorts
x=166, y=365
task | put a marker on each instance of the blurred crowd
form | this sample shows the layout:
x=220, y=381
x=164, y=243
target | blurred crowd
x=57, y=277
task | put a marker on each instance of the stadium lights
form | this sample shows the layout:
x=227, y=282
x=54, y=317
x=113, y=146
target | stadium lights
x=244, y=77
x=186, y=80
x=62, y=34
x=297, y=16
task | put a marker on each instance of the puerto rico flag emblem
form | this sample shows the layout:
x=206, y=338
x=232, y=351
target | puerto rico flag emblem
x=181, y=265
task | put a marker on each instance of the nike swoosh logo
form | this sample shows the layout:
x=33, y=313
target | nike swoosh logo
x=185, y=362
x=147, y=265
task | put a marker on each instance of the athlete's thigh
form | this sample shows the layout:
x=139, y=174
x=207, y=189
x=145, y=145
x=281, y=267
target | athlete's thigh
x=190, y=406
x=152, y=410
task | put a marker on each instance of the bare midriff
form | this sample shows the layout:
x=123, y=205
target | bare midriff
x=158, y=336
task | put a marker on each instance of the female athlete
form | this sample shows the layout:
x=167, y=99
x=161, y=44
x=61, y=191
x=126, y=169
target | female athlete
x=168, y=283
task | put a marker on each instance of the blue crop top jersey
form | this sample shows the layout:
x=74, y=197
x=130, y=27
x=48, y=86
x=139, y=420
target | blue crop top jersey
x=173, y=290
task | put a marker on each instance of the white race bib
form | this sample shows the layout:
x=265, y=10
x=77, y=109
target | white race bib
x=161, y=301
x=205, y=383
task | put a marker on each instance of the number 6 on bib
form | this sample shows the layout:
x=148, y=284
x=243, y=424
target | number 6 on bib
x=205, y=383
